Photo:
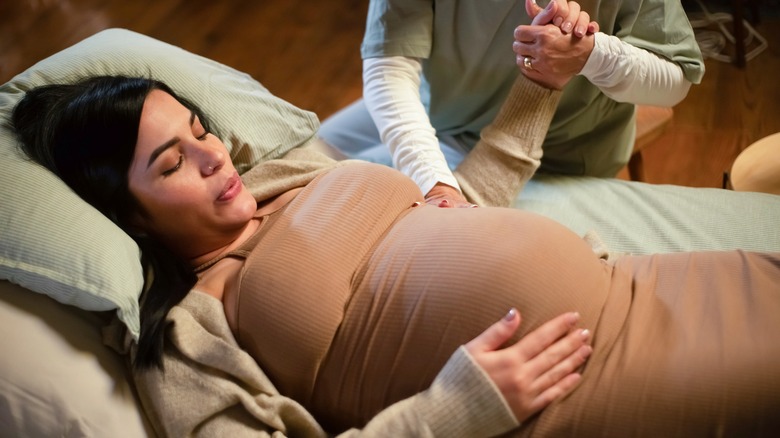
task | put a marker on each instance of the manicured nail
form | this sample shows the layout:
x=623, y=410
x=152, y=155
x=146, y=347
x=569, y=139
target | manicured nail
x=585, y=333
x=573, y=318
x=579, y=31
x=567, y=26
x=511, y=314
x=558, y=20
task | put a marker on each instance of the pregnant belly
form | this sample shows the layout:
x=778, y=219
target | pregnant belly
x=438, y=279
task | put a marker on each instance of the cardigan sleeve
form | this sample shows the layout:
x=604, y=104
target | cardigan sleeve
x=209, y=387
x=461, y=402
x=510, y=148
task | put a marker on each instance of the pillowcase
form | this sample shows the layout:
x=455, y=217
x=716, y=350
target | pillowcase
x=56, y=244
x=56, y=376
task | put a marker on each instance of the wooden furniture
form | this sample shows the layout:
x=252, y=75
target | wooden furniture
x=739, y=27
x=651, y=123
x=757, y=168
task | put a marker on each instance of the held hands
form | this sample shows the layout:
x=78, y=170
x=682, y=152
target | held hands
x=444, y=196
x=568, y=16
x=556, y=45
x=539, y=368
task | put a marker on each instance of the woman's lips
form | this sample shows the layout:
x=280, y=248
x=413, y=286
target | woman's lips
x=232, y=188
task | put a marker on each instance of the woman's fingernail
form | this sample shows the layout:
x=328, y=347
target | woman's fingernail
x=573, y=318
x=579, y=31
x=511, y=314
x=585, y=351
x=558, y=20
x=567, y=26
x=585, y=333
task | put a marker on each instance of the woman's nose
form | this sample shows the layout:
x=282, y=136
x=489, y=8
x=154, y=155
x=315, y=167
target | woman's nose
x=212, y=160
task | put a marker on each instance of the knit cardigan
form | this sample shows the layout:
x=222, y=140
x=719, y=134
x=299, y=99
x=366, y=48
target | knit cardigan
x=209, y=386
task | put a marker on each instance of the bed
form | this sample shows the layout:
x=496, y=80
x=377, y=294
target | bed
x=65, y=271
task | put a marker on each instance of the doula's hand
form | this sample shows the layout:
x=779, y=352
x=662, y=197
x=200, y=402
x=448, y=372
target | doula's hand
x=565, y=15
x=545, y=52
x=445, y=196
x=539, y=368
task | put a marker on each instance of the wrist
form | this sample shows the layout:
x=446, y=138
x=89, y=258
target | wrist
x=595, y=56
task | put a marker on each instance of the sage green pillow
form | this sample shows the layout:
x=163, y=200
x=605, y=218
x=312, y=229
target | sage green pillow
x=54, y=243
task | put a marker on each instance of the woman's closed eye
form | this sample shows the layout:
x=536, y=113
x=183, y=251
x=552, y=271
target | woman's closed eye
x=178, y=164
x=196, y=126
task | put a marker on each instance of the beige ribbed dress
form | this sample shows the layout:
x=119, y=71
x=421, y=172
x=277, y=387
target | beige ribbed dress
x=353, y=296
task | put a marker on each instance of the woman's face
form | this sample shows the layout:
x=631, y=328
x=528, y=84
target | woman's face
x=190, y=194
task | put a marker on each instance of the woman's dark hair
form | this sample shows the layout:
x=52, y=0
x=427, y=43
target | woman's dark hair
x=86, y=134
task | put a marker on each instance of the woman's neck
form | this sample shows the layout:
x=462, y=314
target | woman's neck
x=230, y=244
x=263, y=208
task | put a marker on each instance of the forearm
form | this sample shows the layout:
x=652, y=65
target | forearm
x=510, y=148
x=627, y=73
x=461, y=402
x=391, y=94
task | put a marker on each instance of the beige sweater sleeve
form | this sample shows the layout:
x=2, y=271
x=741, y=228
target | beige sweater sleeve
x=461, y=402
x=510, y=148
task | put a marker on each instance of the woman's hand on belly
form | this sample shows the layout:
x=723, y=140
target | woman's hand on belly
x=539, y=368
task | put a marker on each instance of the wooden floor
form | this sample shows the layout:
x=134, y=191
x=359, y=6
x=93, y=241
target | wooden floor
x=307, y=53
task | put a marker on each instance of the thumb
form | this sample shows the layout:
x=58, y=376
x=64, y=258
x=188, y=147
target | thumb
x=498, y=333
x=538, y=15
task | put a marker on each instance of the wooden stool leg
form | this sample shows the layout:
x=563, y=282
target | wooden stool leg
x=651, y=123
x=739, y=32
x=636, y=169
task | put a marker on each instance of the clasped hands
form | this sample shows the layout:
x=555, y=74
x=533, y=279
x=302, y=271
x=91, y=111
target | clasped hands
x=556, y=45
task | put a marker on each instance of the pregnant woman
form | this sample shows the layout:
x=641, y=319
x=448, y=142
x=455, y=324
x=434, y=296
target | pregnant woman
x=351, y=293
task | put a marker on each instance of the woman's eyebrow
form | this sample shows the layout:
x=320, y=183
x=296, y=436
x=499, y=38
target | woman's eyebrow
x=160, y=149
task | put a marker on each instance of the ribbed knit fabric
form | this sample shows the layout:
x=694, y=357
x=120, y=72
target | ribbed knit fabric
x=694, y=352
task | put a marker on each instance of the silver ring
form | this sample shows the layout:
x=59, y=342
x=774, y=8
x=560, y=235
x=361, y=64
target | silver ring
x=527, y=63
